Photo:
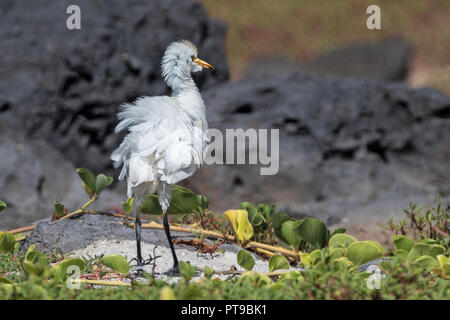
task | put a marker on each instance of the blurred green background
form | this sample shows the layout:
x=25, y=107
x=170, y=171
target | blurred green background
x=301, y=29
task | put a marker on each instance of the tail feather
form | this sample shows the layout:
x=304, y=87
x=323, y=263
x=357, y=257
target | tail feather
x=164, y=195
x=121, y=156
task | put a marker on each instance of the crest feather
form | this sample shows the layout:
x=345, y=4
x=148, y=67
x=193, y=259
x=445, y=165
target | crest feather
x=191, y=45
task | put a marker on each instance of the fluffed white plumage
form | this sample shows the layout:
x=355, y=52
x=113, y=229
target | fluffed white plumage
x=167, y=135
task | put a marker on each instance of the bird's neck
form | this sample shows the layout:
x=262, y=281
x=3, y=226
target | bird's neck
x=181, y=82
x=191, y=102
x=186, y=92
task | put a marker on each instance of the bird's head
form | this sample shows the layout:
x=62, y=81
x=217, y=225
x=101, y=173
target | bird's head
x=181, y=59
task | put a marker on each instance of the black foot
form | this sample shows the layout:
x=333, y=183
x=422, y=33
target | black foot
x=172, y=272
x=140, y=262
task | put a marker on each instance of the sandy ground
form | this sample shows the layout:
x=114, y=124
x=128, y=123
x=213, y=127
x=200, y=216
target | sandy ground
x=218, y=261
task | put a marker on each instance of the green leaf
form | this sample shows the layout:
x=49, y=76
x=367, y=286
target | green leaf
x=337, y=231
x=315, y=256
x=37, y=292
x=278, y=262
x=305, y=258
x=117, y=263
x=191, y=292
x=428, y=241
x=255, y=216
x=289, y=234
x=29, y=268
x=151, y=205
x=186, y=270
x=419, y=249
x=59, y=270
x=30, y=249
x=341, y=240
x=5, y=281
x=59, y=208
x=35, y=256
x=208, y=272
x=101, y=183
x=361, y=252
x=127, y=206
x=278, y=218
x=257, y=220
x=444, y=263
x=35, y=263
x=183, y=201
x=336, y=252
x=436, y=249
x=245, y=260
x=402, y=242
x=254, y=278
x=380, y=247
x=2, y=205
x=7, y=242
x=246, y=204
x=203, y=201
x=343, y=261
x=443, y=260
x=427, y=262
x=401, y=254
x=265, y=210
x=313, y=231
x=291, y=275
x=88, y=181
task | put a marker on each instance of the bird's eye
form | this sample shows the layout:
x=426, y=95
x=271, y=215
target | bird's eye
x=192, y=57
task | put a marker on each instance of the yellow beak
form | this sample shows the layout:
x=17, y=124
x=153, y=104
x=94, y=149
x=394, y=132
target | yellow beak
x=203, y=64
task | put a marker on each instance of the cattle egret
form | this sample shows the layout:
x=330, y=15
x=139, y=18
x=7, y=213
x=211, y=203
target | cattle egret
x=166, y=136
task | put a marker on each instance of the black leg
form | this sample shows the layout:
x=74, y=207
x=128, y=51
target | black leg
x=137, y=225
x=169, y=238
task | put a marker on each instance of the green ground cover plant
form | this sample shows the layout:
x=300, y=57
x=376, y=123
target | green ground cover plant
x=416, y=266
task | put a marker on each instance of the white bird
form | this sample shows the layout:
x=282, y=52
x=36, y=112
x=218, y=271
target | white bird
x=166, y=136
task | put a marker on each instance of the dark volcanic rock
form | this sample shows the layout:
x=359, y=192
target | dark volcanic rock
x=386, y=60
x=65, y=86
x=344, y=143
x=33, y=175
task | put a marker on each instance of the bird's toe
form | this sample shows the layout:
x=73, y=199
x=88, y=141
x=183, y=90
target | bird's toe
x=174, y=271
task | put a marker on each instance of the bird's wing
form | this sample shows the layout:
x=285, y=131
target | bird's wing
x=162, y=144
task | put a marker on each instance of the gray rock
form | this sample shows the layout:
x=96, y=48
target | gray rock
x=33, y=175
x=72, y=234
x=65, y=86
x=344, y=144
x=386, y=60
